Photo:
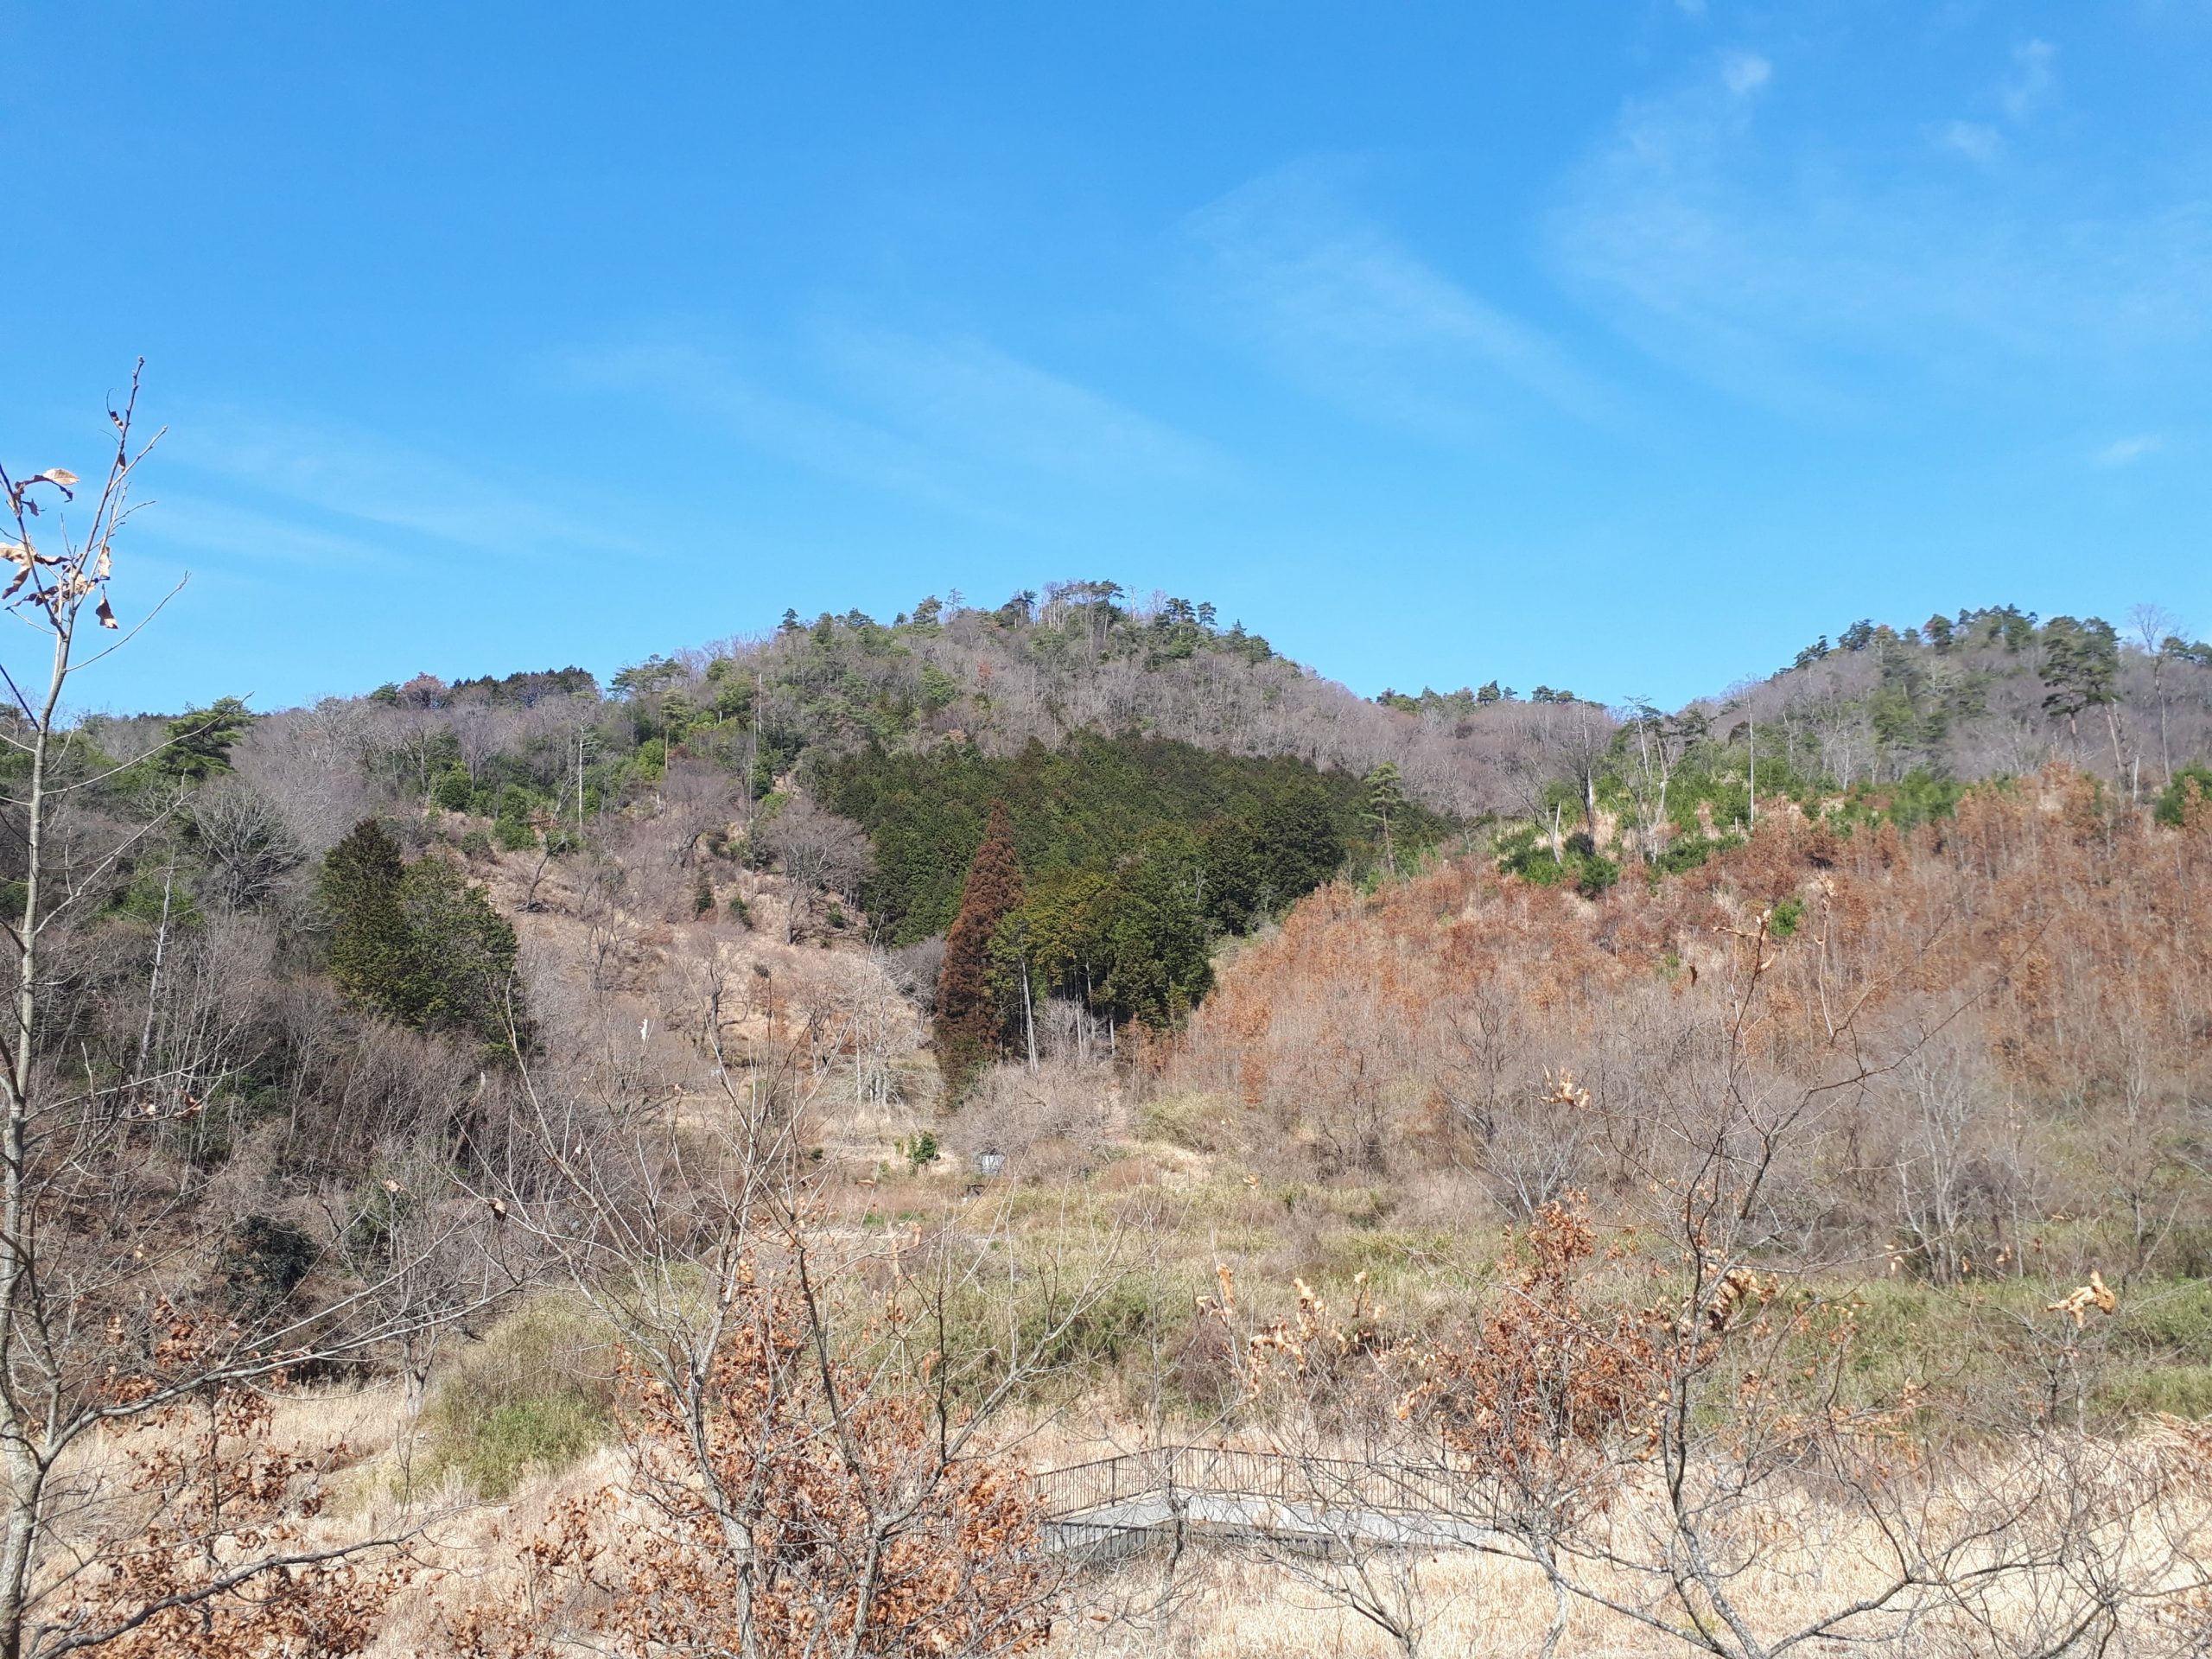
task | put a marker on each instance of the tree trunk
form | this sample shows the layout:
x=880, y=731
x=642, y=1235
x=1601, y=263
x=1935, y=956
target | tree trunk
x=1028, y=1016
x=24, y=1493
x=25, y=1478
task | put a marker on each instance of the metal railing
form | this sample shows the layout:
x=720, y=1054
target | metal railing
x=1230, y=1471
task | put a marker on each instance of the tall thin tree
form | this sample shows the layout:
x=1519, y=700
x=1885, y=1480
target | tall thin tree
x=968, y=1018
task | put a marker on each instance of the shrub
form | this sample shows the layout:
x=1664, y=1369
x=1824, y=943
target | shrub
x=1197, y=1122
x=514, y=824
x=266, y=1260
x=2191, y=782
x=535, y=1395
x=1599, y=872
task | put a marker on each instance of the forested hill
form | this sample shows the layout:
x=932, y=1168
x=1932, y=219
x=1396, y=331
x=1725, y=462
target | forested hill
x=1156, y=759
x=1252, y=833
x=1169, y=781
x=1992, y=692
x=1082, y=657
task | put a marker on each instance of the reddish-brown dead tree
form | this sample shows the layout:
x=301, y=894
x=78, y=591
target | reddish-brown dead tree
x=968, y=1020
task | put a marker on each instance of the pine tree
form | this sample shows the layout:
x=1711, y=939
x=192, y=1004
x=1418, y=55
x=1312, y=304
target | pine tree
x=199, y=742
x=969, y=1020
x=2081, y=671
x=1386, y=799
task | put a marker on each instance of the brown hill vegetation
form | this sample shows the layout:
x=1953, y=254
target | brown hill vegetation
x=2004, y=1014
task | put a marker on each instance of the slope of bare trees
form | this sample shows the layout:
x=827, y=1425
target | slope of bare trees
x=2030, y=976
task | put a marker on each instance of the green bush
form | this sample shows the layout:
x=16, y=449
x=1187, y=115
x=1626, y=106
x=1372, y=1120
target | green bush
x=513, y=829
x=1597, y=873
x=2171, y=1321
x=537, y=1394
x=453, y=790
x=2190, y=781
x=2174, y=1390
x=1095, y=1336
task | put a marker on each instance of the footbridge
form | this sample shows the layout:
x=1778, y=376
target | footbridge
x=1172, y=1497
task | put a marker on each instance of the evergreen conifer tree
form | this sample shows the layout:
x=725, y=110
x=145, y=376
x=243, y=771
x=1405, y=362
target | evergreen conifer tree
x=416, y=944
x=1386, y=799
x=199, y=742
x=362, y=877
x=968, y=1020
x=460, y=960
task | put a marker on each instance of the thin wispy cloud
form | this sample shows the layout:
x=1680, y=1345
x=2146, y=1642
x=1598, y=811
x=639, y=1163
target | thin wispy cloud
x=995, y=408
x=1745, y=73
x=356, y=475
x=2031, y=83
x=228, y=529
x=2034, y=80
x=1787, y=272
x=1977, y=141
x=2126, y=452
x=1287, y=266
x=717, y=386
x=955, y=423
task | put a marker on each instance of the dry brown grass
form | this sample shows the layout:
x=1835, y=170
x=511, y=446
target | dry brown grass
x=1472, y=1605
x=1236, y=1605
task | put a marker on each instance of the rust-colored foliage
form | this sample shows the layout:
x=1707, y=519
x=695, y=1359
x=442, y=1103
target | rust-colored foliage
x=785, y=1504
x=2055, y=944
x=222, y=1560
x=1546, y=1377
x=967, y=1014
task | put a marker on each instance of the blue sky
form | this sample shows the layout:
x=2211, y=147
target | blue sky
x=1623, y=348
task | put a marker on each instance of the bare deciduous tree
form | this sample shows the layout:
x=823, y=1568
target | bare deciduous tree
x=816, y=851
x=133, y=1293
